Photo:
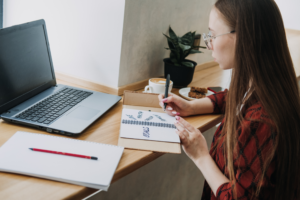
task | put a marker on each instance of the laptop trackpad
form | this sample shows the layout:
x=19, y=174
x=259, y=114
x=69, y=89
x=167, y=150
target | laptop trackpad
x=83, y=113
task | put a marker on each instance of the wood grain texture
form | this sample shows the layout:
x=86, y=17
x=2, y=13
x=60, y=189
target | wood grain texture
x=206, y=65
x=104, y=130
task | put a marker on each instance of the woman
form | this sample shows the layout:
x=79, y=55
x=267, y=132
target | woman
x=255, y=152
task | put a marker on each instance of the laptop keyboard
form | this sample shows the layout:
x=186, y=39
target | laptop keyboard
x=54, y=106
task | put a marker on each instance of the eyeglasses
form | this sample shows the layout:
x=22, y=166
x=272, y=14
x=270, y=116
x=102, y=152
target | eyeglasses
x=208, y=38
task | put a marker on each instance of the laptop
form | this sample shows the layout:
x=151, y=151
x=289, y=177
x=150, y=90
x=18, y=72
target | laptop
x=29, y=94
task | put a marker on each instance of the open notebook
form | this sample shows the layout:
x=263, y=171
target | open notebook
x=16, y=157
x=148, y=125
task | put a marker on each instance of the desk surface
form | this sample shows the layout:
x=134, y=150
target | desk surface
x=104, y=130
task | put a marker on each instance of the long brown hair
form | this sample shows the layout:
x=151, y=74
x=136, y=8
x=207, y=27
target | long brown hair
x=262, y=58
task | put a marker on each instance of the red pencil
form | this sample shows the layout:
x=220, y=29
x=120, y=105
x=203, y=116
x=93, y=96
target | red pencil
x=211, y=90
x=64, y=153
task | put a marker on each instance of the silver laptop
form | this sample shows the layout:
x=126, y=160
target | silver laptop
x=29, y=94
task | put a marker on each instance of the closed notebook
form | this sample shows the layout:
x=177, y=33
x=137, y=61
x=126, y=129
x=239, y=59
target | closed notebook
x=16, y=157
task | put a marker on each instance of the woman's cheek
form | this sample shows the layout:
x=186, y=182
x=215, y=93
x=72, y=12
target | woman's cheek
x=224, y=56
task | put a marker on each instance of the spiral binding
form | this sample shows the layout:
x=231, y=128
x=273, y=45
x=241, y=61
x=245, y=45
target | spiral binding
x=145, y=123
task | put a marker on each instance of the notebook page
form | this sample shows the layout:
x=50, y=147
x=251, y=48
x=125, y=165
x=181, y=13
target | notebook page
x=147, y=125
x=16, y=157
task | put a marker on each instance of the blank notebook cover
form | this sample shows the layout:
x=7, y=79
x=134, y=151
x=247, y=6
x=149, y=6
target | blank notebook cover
x=16, y=157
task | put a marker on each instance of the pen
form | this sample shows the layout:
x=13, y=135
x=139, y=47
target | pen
x=166, y=90
x=64, y=153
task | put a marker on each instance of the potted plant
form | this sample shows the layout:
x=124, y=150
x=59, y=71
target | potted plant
x=180, y=69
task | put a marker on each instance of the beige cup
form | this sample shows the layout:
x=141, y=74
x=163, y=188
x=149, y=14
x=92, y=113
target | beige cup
x=157, y=85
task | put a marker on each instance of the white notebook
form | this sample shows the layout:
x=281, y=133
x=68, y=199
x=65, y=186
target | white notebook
x=147, y=125
x=16, y=157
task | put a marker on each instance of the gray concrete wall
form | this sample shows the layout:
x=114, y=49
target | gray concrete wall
x=169, y=177
x=143, y=43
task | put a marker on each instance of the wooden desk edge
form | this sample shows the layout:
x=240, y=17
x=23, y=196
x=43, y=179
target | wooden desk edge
x=138, y=164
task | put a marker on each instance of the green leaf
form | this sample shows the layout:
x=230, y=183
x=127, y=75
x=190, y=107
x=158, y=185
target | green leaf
x=170, y=42
x=187, y=35
x=175, y=56
x=193, y=38
x=174, y=61
x=184, y=47
x=187, y=64
x=186, y=42
x=181, y=53
x=187, y=38
x=199, y=47
x=174, y=45
x=167, y=37
x=187, y=53
x=171, y=45
x=194, y=33
x=172, y=33
x=195, y=51
x=174, y=53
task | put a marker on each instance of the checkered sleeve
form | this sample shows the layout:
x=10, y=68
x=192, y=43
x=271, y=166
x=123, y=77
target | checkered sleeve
x=255, y=141
x=219, y=100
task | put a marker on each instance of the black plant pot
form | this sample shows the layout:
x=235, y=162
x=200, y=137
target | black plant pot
x=181, y=76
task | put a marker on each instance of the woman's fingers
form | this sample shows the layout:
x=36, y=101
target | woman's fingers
x=175, y=113
x=170, y=98
x=172, y=113
x=161, y=102
x=182, y=133
x=185, y=124
x=193, y=142
x=169, y=108
x=161, y=97
x=171, y=105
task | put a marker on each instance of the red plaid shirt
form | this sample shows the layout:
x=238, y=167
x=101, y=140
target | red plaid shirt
x=255, y=139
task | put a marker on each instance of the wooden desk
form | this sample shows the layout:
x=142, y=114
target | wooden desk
x=104, y=130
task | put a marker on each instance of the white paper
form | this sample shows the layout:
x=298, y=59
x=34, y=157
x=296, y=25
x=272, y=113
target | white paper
x=148, y=132
x=16, y=157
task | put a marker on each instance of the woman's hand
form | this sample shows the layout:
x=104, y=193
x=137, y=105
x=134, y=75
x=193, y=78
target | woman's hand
x=193, y=142
x=176, y=105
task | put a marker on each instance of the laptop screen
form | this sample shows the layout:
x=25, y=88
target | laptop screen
x=25, y=61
